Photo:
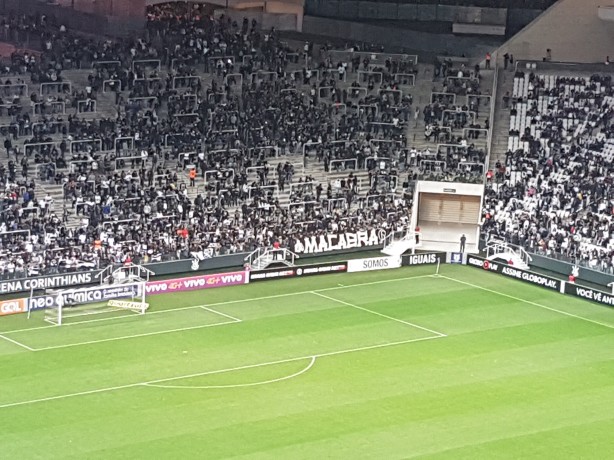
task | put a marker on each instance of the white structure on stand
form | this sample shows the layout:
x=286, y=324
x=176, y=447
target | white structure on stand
x=514, y=255
x=398, y=243
x=261, y=258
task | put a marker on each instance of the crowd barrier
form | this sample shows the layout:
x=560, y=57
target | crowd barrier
x=104, y=293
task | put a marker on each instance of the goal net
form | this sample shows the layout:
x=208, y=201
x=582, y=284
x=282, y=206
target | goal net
x=70, y=305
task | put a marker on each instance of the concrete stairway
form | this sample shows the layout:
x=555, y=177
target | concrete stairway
x=105, y=102
x=106, y=107
x=501, y=126
x=399, y=247
x=262, y=262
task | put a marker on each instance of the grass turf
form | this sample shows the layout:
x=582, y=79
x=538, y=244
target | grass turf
x=390, y=364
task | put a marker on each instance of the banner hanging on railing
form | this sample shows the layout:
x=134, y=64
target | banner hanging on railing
x=335, y=241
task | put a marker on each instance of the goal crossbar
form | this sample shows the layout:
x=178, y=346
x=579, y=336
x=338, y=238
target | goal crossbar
x=70, y=303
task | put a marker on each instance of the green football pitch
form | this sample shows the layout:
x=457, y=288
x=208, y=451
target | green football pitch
x=376, y=365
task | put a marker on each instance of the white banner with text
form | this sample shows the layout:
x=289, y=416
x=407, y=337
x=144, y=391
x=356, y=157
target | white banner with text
x=374, y=263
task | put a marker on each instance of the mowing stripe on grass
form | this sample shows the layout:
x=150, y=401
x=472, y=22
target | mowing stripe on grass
x=238, y=385
x=219, y=371
x=208, y=308
x=611, y=326
x=229, y=302
x=277, y=296
x=220, y=313
x=155, y=312
x=377, y=313
x=17, y=343
x=133, y=336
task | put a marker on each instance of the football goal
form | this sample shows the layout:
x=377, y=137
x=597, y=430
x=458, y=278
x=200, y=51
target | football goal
x=126, y=294
x=65, y=305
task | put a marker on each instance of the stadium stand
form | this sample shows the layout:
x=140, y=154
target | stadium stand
x=553, y=192
x=207, y=137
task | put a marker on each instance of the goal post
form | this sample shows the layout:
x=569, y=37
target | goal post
x=66, y=304
x=122, y=288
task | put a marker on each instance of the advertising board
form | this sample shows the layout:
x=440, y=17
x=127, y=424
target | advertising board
x=93, y=295
x=197, y=282
x=511, y=272
x=47, y=282
x=373, y=263
x=292, y=272
x=456, y=257
x=593, y=295
x=424, y=259
x=10, y=307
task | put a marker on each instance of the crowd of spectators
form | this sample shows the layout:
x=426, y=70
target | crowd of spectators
x=554, y=193
x=194, y=98
x=218, y=130
x=456, y=124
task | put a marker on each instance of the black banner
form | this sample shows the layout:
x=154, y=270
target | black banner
x=292, y=272
x=336, y=241
x=424, y=259
x=512, y=272
x=593, y=295
x=47, y=282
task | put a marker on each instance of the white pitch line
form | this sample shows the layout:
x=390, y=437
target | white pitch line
x=407, y=323
x=219, y=371
x=289, y=360
x=124, y=337
x=220, y=313
x=277, y=296
x=70, y=395
x=36, y=328
x=17, y=343
x=529, y=302
x=230, y=302
x=157, y=312
x=207, y=307
x=238, y=385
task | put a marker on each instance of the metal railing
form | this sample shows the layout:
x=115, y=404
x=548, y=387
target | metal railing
x=497, y=246
x=270, y=255
x=403, y=235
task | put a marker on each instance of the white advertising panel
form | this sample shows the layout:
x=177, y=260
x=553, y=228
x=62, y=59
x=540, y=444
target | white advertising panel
x=374, y=263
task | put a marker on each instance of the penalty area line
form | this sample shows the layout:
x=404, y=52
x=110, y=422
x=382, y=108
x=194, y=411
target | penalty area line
x=15, y=342
x=114, y=318
x=145, y=334
x=332, y=288
x=407, y=323
x=225, y=315
x=228, y=302
x=151, y=383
